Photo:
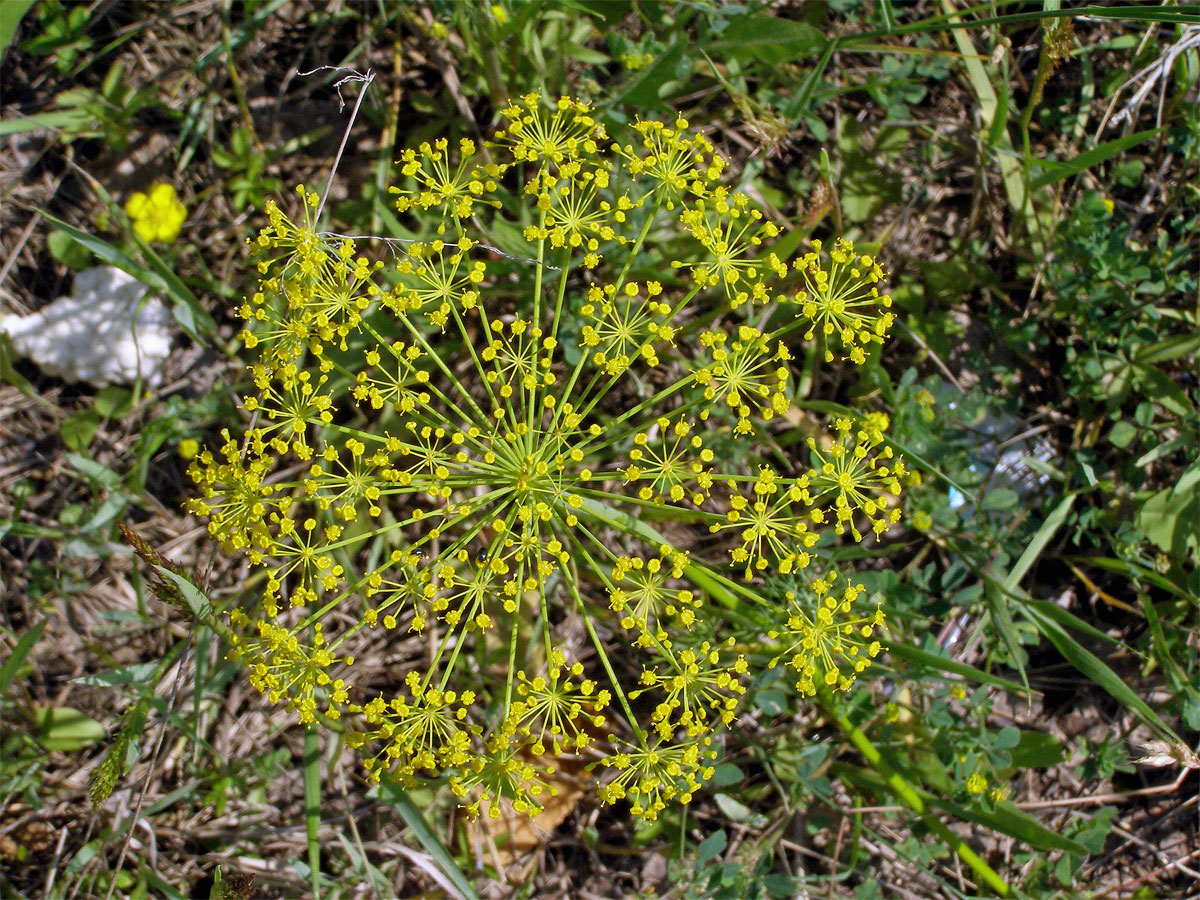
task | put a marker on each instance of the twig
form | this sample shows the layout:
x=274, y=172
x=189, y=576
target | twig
x=354, y=76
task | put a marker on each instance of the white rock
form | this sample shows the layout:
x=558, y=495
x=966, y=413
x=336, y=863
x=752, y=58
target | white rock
x=104, y=333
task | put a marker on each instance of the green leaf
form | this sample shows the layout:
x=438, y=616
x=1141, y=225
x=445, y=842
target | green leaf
x=1122, y=434
x=1059, y=170
x=920, y=657
x=1036, y=750
x=135, y=674
x=66, y=729
x=1000, y=499
x=68, y=120
x=24, y=644
x=1038, y=544
x=1169, y=518
x=727, y=773
x=1007, y=737
x=94, y=471
x=1002, y=618
x=113, y=401
x=1041, y=614
x=1171, y=348
x=711, y=847
x=1015, y=822
x=399, y=799
x=11, y=13
x=641, y=91
x=195, y=598
x=78, y=430
x=68, y=251
x=768, y=38
x=734, y=810
x=586, y=54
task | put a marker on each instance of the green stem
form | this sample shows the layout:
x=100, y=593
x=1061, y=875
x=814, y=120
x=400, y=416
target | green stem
x=913, y=800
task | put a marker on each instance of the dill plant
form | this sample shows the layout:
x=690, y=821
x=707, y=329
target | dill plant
x=420, y=458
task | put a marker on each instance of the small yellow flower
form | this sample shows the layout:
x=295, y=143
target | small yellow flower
x=499, y=13
x=977, y=783
x=188, y=448
x=158, y=215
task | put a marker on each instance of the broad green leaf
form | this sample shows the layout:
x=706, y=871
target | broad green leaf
x=734, y=810
x=1166, y=448
x=135, y=674
x=68, y=251
x=69, y=120
x=24, y=644
x=113, y=401
x=196, y=599
x=11, y=13
x=1121, y=435
x=78, y=430
x=1000, y=499
x=1163, y=390
x=711, y=846
x=65, y=728
x=1169, y=518
x=1007, y=737
x=89, y=468
x=1036, y=750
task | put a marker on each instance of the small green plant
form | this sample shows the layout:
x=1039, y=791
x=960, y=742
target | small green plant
x=248, y=183
x=430, y=452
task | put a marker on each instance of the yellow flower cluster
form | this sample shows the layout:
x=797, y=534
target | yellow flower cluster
x=461, y=443
x=157, y=215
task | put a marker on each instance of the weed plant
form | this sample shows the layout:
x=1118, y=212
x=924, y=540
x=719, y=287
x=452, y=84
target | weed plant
x=431, y=449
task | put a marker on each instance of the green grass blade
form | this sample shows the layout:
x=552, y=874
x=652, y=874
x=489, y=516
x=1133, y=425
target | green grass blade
x=24, y=644
x=1038, y=543
x=919, y=657
x=188, y=312
x=888, y=14
x=416, y=823
x=1005, y=818
x=989, y=110
x=1084, y=161
x=1096, y=670
x=1015, y=822
x=913, y=799
x=1002, y=619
